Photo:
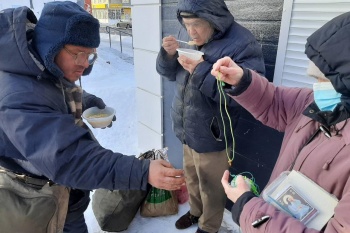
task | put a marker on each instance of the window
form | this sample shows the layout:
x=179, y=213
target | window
x=300, y=19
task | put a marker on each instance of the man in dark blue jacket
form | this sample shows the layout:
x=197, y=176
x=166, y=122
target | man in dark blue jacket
x=196, y=112
x=42, y=136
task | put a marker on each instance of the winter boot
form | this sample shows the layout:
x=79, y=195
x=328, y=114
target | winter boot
x=186, y=221
x=201, y=231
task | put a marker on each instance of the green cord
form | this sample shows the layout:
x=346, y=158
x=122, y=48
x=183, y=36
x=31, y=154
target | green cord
x=253, y=186
x=220, y=84
x=251, y=181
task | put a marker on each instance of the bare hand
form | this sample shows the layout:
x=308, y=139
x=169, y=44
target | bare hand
x=170, y=45
x=227, y=71
x=233, y=193
x=163, y=176
x=189, y=64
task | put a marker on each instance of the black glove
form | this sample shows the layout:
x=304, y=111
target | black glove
x=110, y=125
x=90, y=101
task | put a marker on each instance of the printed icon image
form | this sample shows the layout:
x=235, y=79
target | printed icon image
x=293, y=203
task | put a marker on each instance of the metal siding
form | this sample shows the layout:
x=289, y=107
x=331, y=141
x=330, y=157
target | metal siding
x=306, y=17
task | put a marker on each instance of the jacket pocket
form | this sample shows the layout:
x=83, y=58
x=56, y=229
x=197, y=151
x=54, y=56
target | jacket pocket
x=215, y=129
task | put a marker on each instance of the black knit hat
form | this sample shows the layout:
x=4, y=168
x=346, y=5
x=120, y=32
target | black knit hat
x=188, y=15
x=63, y=23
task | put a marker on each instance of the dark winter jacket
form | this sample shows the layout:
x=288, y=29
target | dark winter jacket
x=196, y=110
x=38, y=135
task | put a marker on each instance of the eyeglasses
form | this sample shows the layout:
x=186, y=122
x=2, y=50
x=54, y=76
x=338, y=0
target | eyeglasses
x=81, y=57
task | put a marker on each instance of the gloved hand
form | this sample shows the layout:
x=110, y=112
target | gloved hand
x=90, y=101
x=110, y=125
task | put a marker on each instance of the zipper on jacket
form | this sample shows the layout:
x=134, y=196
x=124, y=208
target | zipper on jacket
x=183, y=108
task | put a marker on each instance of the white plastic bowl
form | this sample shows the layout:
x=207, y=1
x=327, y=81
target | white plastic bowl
x=99, y=118
x=190, y=53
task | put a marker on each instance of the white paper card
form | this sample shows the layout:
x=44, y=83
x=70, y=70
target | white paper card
x=296, y=194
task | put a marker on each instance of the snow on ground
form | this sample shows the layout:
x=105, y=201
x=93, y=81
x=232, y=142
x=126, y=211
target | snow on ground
x=112, y=79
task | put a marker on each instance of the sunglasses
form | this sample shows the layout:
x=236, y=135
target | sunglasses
x=81, y=57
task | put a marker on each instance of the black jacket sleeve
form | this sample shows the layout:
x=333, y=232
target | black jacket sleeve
x=242, y=85
x=238, y=206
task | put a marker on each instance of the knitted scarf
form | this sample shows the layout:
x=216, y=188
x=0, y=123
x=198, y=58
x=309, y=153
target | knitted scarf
x=73, y=97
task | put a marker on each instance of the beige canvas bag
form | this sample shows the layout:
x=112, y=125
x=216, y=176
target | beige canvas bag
x=29, y=205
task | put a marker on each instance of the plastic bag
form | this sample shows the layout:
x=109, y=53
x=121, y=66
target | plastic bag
x=182, y=195
x=159, y=202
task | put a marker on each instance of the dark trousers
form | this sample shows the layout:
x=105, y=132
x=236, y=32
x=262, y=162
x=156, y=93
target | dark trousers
x=78, y=202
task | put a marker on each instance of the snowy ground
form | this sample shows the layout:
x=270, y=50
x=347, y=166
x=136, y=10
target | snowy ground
x=113, y=80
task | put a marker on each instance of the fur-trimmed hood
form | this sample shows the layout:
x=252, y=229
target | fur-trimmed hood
x=28, y=46
x=63, y=23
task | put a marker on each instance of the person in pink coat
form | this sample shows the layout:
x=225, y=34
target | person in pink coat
x=316, y=129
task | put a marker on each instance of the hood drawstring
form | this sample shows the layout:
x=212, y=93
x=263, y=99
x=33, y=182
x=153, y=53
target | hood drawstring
x=346, y=121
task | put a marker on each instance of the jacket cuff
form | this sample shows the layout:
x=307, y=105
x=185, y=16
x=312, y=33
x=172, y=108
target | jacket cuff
x=164, y=61
x=167, y=57
x=237, y=207
x=242, y=85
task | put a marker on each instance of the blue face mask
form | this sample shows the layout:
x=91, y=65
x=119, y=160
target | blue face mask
x=325, y=96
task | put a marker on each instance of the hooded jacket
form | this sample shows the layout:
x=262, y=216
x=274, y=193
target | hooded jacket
x=329, y=50
x=38, y=135
x=325, y=160
x=195, y=109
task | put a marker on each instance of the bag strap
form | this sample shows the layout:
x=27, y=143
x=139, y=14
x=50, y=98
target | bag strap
x=26, y=179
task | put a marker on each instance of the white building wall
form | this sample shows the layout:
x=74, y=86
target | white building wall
x=146, y=16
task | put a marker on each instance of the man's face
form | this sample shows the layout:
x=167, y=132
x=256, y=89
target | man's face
x=198, y=29
x=73, y=60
